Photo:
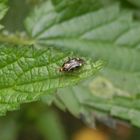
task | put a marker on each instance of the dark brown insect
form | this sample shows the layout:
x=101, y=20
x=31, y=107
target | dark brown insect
x=72, y=64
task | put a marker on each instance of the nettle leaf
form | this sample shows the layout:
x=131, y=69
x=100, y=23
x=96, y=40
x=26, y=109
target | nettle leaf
x=55, y=12
x=114, y=38
x=110, y=38
x=116, y=102
x=107, y=33
x=26, y=73
x=95, y=99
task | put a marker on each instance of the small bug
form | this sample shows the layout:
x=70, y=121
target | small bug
x=72, y=64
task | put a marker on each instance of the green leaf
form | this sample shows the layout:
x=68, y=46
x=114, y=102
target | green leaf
x=117, y=103
x=99, y=96
x=55, y=12
x=106, y=33
x=114, y=38
x=26, y=73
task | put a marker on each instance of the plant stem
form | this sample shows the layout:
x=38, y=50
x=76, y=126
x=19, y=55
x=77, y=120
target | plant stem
x=13, y=39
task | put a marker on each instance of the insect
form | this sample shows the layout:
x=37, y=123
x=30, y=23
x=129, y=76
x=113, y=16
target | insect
x=72, y=64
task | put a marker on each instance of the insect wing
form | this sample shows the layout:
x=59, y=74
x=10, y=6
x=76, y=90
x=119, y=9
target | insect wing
x=73, y=66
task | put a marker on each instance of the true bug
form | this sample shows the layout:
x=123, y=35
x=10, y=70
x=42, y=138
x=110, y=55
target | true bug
x=72, y=64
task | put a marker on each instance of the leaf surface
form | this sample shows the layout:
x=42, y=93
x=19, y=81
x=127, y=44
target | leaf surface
x=26, y=73
x=107, y=33
x=114, y=38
